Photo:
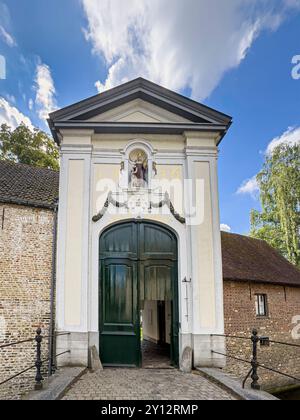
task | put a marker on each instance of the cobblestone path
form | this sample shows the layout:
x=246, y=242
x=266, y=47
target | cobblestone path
x=145, y=384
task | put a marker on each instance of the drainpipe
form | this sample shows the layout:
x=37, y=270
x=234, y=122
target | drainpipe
x=51, y=348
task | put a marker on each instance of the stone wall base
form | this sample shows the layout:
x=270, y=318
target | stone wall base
x=80, y=343
x=203, y=346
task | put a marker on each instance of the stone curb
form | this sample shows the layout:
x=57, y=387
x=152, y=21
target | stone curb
x=57, y=385
x=234, y=386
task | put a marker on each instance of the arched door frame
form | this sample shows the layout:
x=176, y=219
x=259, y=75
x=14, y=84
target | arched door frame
x=181, y=233
x=135, y=260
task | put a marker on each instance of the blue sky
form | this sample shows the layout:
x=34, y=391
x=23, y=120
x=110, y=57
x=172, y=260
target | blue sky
x=235, y=57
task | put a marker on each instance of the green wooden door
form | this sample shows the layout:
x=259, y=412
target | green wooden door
x=119, y=292
x=137, y=259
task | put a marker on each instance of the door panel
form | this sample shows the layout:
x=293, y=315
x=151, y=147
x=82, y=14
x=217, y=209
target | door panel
x=156, y=278
x=120, y=333
x=120, y=242
x=118, y=294
x=156, y=242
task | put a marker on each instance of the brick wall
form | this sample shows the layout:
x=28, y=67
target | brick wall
x=25, y=279
x=240, y=319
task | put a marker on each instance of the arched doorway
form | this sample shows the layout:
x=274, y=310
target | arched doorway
x=138, y=265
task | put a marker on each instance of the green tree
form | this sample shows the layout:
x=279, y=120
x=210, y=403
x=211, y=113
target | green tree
x=34, y=148
x=279, y=221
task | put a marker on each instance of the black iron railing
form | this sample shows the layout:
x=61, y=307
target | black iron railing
x=255, y=365
x=38, y=361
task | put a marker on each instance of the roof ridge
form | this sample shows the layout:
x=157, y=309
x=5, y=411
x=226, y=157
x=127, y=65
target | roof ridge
x=254, y=259
x=247, y=237
x=20, y=164
x=264, y=241
x=243, y=235
x=28, y=185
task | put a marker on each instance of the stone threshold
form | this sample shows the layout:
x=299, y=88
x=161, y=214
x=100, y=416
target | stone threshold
x=234, y=386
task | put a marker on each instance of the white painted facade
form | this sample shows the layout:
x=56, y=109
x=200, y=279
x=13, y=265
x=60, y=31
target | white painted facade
x=89, y=157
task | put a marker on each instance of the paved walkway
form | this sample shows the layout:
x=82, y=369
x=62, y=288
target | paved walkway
x=145, y=384
x=155, y=356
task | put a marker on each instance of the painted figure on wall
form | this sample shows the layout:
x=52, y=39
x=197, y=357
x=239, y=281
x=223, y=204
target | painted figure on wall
x=138, y=169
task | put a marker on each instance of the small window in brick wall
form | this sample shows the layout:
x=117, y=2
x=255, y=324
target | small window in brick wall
x=261, y=305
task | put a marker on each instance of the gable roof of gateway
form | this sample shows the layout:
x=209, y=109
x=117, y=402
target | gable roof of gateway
x=28, y=186
x=253, y=260
x=202, y=117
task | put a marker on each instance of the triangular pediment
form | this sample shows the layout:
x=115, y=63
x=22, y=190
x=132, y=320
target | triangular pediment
x=177, y=108
x=139, y=111
x=139, y=106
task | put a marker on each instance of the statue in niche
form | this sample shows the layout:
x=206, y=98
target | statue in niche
x=138, y=169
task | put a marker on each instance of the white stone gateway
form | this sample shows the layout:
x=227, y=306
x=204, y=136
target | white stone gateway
x=139, y=248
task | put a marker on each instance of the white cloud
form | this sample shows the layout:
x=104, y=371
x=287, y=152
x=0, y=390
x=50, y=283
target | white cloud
x=5, y=26
x=250, y=186
x=225, y=228
x=179, y=44
x=11, y=98
x=99, y=86
x=289, y=137
x=30, y=104
x=11, y=116
x=45, y=91
x=7, y=37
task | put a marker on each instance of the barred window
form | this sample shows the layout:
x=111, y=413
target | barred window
x=261, y=304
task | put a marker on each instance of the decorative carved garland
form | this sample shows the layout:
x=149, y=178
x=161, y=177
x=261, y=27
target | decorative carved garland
x=109, y=200
x=166, y=201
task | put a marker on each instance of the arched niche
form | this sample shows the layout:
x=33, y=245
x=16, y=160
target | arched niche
x=138, y=168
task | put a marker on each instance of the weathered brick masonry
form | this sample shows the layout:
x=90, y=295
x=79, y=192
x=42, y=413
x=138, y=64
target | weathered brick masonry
x=26, y=236
x=240, y=319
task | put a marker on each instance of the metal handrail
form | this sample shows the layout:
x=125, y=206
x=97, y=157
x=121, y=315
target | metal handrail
x=30, y=368
x=239, y=359
x=282, y=343
x=30, y=340
x=258, y=365
x=255, y=339
x=231, y=336
x=39, y=362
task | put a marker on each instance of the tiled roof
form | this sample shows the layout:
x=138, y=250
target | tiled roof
x=253, y=260
x=27, y=185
